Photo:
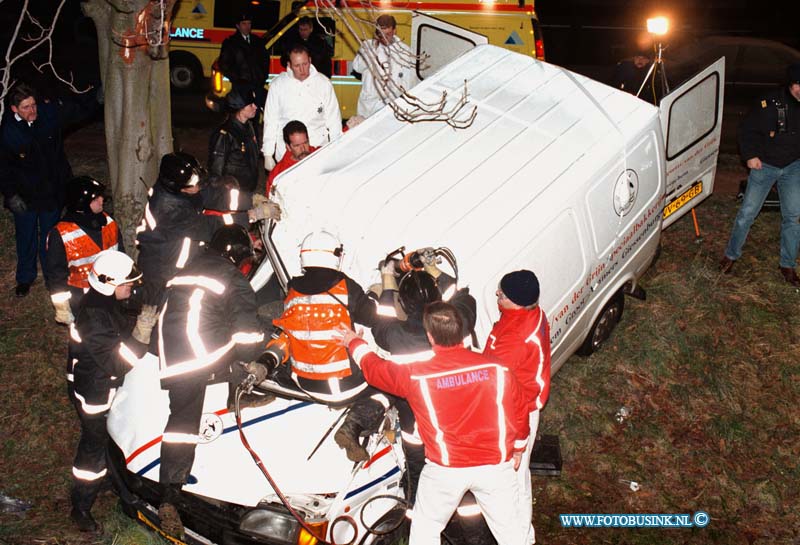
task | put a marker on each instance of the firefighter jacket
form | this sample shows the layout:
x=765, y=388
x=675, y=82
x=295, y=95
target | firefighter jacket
x=771, y=130
x=209, y=321
x=406, y=340
x=394, y=63
x=317, y=302
x=311, y=101
x=521, y=340
x=101, y=351
x=32, y=160
x=243, y=62
x=233, y=150
x=468, y=407
x=171, y=232
x=72, y=247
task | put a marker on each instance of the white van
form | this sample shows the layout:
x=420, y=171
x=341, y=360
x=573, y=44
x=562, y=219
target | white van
x=558, y=173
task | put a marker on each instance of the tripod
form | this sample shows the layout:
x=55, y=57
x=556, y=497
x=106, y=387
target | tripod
x=656, y=70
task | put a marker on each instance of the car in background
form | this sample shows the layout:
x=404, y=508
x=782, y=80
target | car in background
x=752, y=65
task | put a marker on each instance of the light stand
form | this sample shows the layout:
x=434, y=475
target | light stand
x=657, y=27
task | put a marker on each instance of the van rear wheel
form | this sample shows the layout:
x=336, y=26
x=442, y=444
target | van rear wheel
x=604, y=324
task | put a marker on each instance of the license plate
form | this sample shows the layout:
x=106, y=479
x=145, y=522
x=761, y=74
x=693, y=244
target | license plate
x=678, y=202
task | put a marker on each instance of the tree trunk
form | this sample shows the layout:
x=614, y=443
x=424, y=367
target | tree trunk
x=134, y=68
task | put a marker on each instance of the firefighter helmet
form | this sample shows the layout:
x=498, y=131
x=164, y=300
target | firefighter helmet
x=112, y=269
x=417, y=289
x=321, y=249
x=81, y=191
x=178, y=170
x=233, y=243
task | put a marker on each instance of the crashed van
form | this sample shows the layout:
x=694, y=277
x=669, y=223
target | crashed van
x=532, y=167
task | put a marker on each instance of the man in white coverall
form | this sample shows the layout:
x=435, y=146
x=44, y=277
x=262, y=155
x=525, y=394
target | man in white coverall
x=473, y=445
x=303, y=94
x=393, y=67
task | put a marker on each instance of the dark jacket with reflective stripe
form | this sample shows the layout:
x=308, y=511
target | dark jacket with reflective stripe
x=210, y=309
x=101, y=347
x=175, y=217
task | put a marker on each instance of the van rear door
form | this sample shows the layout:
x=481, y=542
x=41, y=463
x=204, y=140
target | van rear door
x=436, y=42
x=691, y=119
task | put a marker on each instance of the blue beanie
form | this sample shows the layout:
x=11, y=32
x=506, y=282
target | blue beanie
x=521, y=287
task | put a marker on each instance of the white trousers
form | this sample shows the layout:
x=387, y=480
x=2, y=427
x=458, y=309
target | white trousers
x=525, y=500
x=495, y=489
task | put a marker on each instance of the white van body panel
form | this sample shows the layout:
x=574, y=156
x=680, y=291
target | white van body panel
x=534, y=182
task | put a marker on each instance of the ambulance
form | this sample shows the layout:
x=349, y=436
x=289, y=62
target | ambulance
x=437, y=32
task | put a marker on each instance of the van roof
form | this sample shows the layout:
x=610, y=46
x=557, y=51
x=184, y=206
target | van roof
x=539, y=134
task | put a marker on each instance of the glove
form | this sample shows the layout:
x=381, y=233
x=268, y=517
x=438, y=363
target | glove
x=269, y=162
x=145, y=323
x=389, y=268
x=266, y=211
x=388, y=275
x=429, y=259
x=16, y=204
x=259, y=199
x=258, y=370
x=63, y=313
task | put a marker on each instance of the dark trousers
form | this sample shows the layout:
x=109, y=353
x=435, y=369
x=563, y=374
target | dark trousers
x=31, y=230
x=186, y=408
x=89, y=467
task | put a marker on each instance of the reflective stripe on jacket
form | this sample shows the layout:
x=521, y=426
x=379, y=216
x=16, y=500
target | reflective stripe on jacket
x=81, y=250
x=308, y=320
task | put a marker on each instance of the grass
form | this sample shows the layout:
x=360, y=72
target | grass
x=709, y=366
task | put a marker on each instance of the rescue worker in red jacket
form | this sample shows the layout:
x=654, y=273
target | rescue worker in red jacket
x=521, y=340
x=209, y=322
x=105, y=343
x=75, y=242
x=319, y=300
x=406, y=341
x=472, y=420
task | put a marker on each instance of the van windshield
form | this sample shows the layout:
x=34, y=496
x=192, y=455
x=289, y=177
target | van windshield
x=278, y=29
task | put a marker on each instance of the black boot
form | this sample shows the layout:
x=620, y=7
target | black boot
x=168, y=515
x=348, y=437
x=84, y=520
x=82, y=497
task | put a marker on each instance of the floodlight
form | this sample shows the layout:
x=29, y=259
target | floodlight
x=658, y=25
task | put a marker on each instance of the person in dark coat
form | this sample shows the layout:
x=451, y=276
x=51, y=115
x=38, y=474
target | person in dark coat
x=74, y=243
x=243, y=59
x=769, y=141
x=629, y=74
x=33, y=175
x=105, y=343
x=174, y=225
x=233, y=148
x=210, y=306
x=303, y=34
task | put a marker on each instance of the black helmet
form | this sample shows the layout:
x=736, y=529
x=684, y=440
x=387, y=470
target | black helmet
x=81, y=191
x=417, y=289
x=178, y=170
x=793, y=73
x=233, y=243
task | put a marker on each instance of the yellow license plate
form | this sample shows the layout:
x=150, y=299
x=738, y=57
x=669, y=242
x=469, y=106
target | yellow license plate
x=678, y=202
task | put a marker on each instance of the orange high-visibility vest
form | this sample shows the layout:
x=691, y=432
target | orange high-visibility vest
x=308, y=321
x=81, y=250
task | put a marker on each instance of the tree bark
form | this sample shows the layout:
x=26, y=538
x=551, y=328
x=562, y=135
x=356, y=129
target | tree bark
x=134, y=68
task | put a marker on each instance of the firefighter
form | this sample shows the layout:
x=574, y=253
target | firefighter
x=208, y=323
x=75, y=242
x=320, y=299
x=406, y=340
x=105, y=343
x=174, y=226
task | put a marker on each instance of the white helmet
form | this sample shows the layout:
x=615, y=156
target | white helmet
x=321, y=249
x=112, y=269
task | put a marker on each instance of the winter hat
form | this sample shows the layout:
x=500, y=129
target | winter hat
x=521, y=287
x=793, y=73
x=237, y=99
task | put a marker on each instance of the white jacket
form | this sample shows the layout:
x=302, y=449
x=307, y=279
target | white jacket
x=311, y=101
x=395, y=61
